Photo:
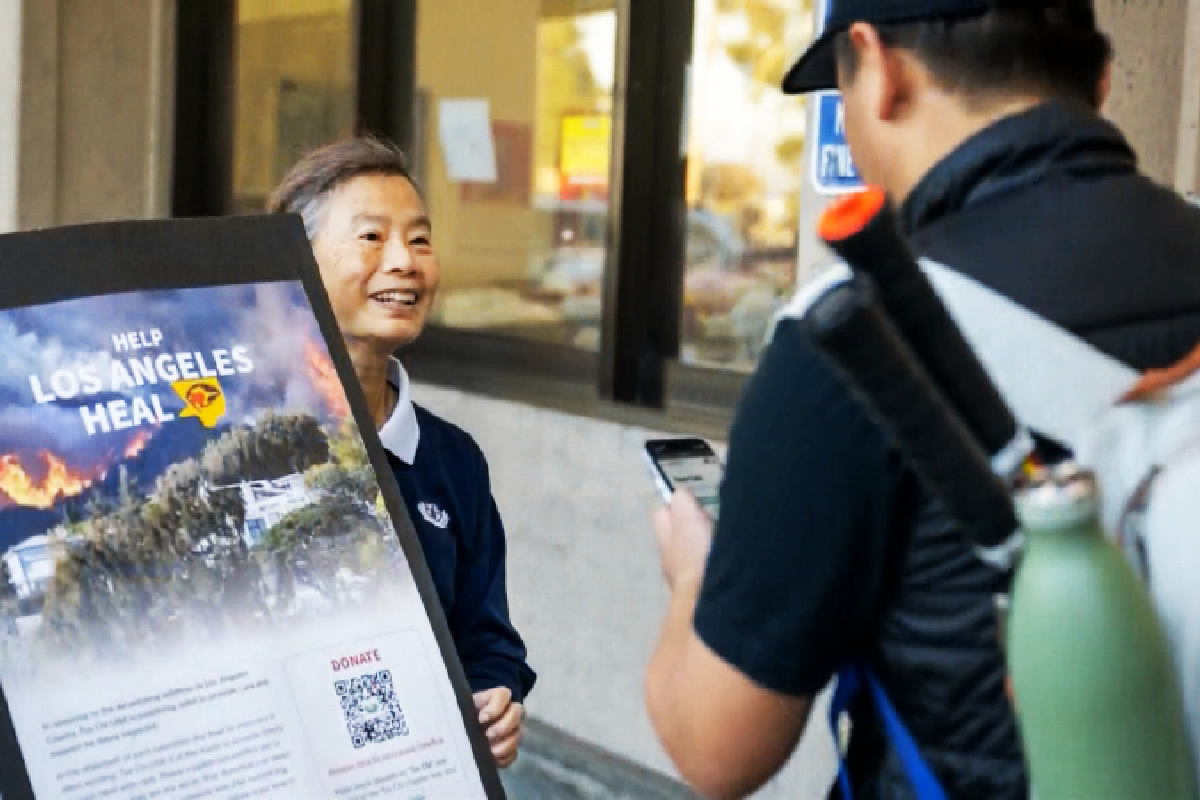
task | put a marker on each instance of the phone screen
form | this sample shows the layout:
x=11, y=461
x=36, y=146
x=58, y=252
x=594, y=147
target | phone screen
x=699, y=473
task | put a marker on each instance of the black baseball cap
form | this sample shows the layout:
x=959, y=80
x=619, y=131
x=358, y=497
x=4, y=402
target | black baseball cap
x=817, y=68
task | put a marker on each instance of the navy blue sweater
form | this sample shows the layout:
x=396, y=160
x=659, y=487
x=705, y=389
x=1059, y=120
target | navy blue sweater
x=449, y=499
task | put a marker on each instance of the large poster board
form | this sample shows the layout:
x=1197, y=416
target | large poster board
x=213, y=589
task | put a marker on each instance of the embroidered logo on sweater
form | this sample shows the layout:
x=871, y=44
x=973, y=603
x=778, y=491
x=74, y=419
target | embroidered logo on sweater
x=434, y=515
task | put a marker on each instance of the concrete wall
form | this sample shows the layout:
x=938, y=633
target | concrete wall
x=1147, y=76
x=95, y=110
x=1187, y=161
x=10, y=109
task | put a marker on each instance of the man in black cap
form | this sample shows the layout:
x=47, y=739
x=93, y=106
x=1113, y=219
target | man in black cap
x=980, y=120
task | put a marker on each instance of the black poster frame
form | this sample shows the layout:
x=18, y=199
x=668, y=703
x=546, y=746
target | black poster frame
x=43, y=267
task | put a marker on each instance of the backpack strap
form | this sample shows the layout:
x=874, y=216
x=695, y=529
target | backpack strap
x=849, y=682
x=1083, y=381
x=1033, y=360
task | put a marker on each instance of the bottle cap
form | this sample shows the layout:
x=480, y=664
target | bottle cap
x=1065, y=495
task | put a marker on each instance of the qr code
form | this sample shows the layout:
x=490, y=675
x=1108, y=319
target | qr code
x=373, y=714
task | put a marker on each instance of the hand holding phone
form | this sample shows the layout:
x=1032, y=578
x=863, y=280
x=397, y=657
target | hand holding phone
x=690, y=464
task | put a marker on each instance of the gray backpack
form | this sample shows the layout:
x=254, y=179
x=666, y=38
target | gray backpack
x=1146, y=454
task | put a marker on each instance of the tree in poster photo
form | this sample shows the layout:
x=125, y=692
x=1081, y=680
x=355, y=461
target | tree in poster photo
x=277, y=445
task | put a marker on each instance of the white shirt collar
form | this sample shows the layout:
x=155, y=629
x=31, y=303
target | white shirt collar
x=400, y=434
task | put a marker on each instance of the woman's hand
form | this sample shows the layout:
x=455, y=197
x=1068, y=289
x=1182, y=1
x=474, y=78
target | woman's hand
x=501, y=719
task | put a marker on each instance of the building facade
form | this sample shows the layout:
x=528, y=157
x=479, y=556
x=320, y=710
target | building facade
x=642, y=205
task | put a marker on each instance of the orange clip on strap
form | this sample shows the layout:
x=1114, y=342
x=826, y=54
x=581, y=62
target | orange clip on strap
x=1158, y=380
x=849, y=214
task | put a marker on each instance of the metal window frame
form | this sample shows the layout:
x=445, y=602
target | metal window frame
x=643, y=294
x=386, y=47
x=205, y=104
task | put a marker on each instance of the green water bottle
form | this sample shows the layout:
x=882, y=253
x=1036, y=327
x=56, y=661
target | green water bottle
x=1096, y=692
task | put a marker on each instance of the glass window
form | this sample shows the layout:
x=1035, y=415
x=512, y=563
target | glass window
x=745, y=172
x=295, y=88
x=515, y=121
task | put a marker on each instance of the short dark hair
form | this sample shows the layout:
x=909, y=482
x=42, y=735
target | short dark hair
x=1053, y=49
x=308, y=184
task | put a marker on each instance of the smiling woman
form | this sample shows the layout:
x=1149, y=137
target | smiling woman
x=373, y=242
x=375, y=249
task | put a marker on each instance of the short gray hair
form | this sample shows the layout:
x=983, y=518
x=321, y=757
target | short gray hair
x=306, y=188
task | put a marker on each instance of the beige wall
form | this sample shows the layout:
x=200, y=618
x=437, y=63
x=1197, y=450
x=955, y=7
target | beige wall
x=1187, y=163
x=10, y=109
x=1147, y=77
x=95, y=110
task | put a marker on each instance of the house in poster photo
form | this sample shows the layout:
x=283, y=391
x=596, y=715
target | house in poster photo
x=269, y=501
x=30, y=566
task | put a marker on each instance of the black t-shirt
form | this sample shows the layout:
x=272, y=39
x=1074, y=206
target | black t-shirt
x=797, y=564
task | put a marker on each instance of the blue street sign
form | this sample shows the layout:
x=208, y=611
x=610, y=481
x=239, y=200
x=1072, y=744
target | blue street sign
x=833, y=169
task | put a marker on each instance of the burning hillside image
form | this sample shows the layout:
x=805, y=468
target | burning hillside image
x=49, y=481
x=180, y=481
x=24, y=488
x=325, y=379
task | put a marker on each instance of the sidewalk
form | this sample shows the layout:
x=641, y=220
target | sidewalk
x=555, y=766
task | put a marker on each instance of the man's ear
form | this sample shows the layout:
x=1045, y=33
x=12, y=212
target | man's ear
x=884, y=72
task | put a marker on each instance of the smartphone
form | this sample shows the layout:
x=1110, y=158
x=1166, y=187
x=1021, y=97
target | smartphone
x=690, y=464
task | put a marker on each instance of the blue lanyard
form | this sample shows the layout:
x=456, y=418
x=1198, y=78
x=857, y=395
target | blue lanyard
x=849, y=681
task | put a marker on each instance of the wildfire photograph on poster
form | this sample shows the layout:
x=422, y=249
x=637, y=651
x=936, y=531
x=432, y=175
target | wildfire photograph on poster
x=175, y=464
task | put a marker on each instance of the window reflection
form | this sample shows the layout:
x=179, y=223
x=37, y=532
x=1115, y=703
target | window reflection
x=295, y=88
x=522, y=246
x=745, y=172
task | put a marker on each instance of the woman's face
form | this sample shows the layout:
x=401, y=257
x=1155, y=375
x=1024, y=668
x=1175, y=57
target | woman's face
x=375, y=252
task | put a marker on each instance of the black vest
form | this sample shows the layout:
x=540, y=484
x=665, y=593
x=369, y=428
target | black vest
x=1047, y=208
